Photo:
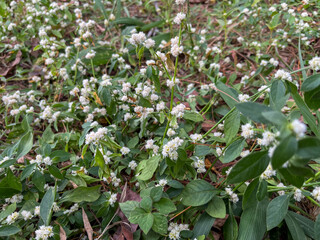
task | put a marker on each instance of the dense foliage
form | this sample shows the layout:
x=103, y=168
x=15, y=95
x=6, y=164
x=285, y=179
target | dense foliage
x=169, y=119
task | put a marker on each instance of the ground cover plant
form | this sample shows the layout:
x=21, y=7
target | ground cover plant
x=169, y=119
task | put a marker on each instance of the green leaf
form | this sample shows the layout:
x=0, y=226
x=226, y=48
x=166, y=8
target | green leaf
x=148, y=167
x=278, y=96
x=216, y=208
x=146, y=204
x=317, y=228
x=8, y=230
x=46, y=206
x=230, y=228
x=144, y=219
x=129, y=22
x=277, y=210
x=160, y=223
x=249, y=167
x=165, y=206
x=128, y=206
x=262, y=190
x=193, y=116
x=307, y=115
x=233, y=151
x=82, y=194
x=38, y=180
x=295, y=180
x=99, y=5
x=10, y=186
x=284, y=151
x=54, y=171
x=197, y=193
x=203, y=225
x=231, y=126
x=156, y=193
x=312, y=98
x=253, y=221
x=275, y=117
x=98, y=159
x=48, y=135
x=8, y=210
x=133, y=142
x=311, y=83
x=25, y=145
x=228, y=94
x=57, y=33
x=306, y=224
x=294, y=228
x=254, y=111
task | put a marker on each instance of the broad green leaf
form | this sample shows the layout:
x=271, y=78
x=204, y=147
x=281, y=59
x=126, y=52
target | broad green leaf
x=309, y=147
x=203, y=225
x=82, y=194
x=253, y=111
x=249, y=167
x=133, y=142
x=146, y=204
x=312, y=98
x=311, y=83
x=129, y=21
x=216, y=208
x=233, y=151
x=231, y=126
x=25, y=145
x=46, y=206
x=295, y=180
x=38, y=180
x=148, y=167
x=128, y=206
x=193, y=116
x=10, y=186
x=275, y=117
x=8, y=230
x=98, y=159
x=230, y=228
x=165, y=206
x=99, y=5
x=307, y=115
x=277, y=210
x=48, y=135
x=228, y=94
x=54, y=171
x=262, y=189
x=8, y=210
x=141, y=217
x=278, y=97
x=317, y=228
x=160, y=223
x=253, y=221
x=197, y=193
x=284, y=151
x=294, y=228
x=306, y=224
x=156, y=193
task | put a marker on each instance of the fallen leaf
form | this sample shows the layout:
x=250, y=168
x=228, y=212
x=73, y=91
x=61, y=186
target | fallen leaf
x=5, y=71
x=87, y=225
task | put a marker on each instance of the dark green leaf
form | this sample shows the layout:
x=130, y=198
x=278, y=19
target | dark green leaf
x=82, y=194
x=46, y=206
x=38, y=180
x=54, y=171
x=233, y=151
x=254, y=111
x=160, y=223
x=228, y=94
x=146, y=204
x=193, y=116
x=27, y=171
x=249, y=167
x=216, y=208
x=128, y=206
x=25, y=145
x=8, y=230
x=294, y=228
x=277, y=210
x=148, y=167
x=203, y=225
x=231, y=126
x=165, y=206
x=309, y=147
x=262, y=190
x=284, y=151
x=197, y=193
x=312, y=98
x=311, y=83
x=278, y=97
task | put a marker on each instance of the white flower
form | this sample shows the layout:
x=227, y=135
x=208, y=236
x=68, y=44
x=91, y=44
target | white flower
x=233, y=196
x=12, y=218
x=112, y=199
x=149, y=43
x=299, y=128
x=247, y=131
x=137, y=38
x=268, y=173
x=244, y=153
x=37, y=211
x=298, y=196
x=196, y=137
x=315, y=63
x=90, y=54
x=200, y=166
x=284, y=75
x=267, y=138
x=132, y=165
x=163, y=182
x=274, y=62
x=316, y=193
x=124, y=150
x=47, y=161
x=178, y=110
x=170, y=149
x=26, y=215
x=180, y=2
x=282, y=186
x=243, y=97
x=44, y=232
x=180, y=16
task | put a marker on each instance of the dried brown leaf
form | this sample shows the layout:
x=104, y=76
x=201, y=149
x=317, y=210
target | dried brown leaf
x=5, y=71
x=87, y=225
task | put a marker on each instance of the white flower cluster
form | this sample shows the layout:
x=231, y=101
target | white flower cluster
x=125, y=150
x=113, y=199
x=178, y=110
x=140, y=38
x=316, y=193
x=115, y=181
x=233, y=196
x=12, y=218
x=267, y=138
x=175, y=230
x=173, y=82
x=243, y=97
x=15, y=199
x=315, y=63
x=178, y=19
x=247, y=131
x=199, y=165
x=11, y=99
x=170, y=149
x=298, y=196
x=150, y=145
x=283, y=75
x=44, y=232
x=180, y=2
x=196, y=137
x=94, y=137
x=176, y=49
x=26, y=215
x=268, y=173
x=298, y=128
x=73, y=209
x=162, y=183
x=132, y=165
x=39, y=160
